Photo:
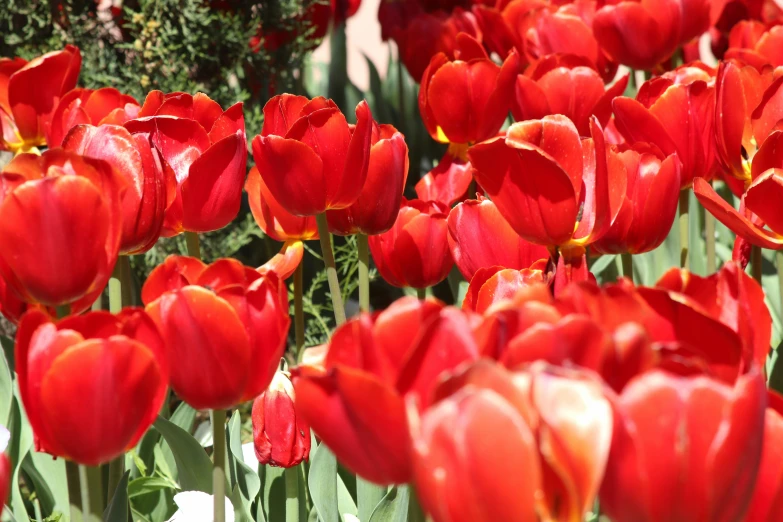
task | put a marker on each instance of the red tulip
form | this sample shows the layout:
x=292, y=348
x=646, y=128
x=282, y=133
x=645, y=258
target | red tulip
x=203, y=148
x=479, y=237
x=29, y=93
x=642, y=34
x=512, y=446
x=281, y=437
x=448, y=182
x=650, y=204
x=684, y=448
x=309, y=157
x=495, y=284
x=753, y=43
x=271, y=217
x=355, y=400
x=765, y=505
x=415, y=251
x=12, y=307
x=87, y=106
x=6, y=471
x=60, y=227
x=225, y=324
x=375, y=211
x=137, y=161
x=77, y=374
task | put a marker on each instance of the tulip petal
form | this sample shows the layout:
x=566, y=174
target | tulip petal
x=174, y=273
x=285, y=262
x=280, y=113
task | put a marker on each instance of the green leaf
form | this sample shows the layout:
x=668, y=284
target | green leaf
x=601, y=264
x=393, y=507
x=47, y=476
x=245, y=478
x=273, y=499
x=144, y=485
x=368, y=495
x=117, y=510
x=8, y=350
x=775, y=381
x=183, y=417
x=194, y=469
x=380, y=109
x=6, y=390
x=18, y=447
x=323, y=484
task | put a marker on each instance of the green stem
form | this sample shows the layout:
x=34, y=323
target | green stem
x=755, y=263
x=219, y=461
x=709, y=232
x=331, y=268
x=627, y=260
x=194, y=245
x=364, y=272
x=115, y=288
x=292, y=494
x=685, y=261
x=421, y=293
x=92, y=493
x=74, y=490
x=415, y=513
x=299, y=324
x=368, y=495
x=98, y=303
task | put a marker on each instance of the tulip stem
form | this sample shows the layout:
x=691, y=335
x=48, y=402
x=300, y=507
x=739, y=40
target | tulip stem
x=421, y=293
x=627, y=260
x=685, y=261
x=219, y=461
x=709, y=233
x=368, y=496
x=74, y=489
x=779, y=263
x=193, y=244
x=299, y=324
x=415, y=513
x=755, y=263
x=331, y=268
x=92, y=493
x=364, y=272
x=292, y=494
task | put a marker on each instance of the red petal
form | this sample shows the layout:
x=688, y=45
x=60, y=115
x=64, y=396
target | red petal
x=280, y=113
x=447, y=183
x=286, y=261
x=174, y=273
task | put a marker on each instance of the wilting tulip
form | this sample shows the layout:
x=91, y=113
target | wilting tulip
x=74, y=203
x=764, y=47
x=225, y=324
x=650, y=204
x=375, y=211
x=29, y=93
x=415, y=251
x=5, y=468
x=86, y=106
x=479, y=237
x=765, y=505
x=466, y=100
x=135, y=159
x=535, y=443
x=281, y=437
x=77, y=374
x=684, y=448
x=642, y=34
x=203, y=149
x=372, y=364
x=495, y=284
x=309, y=157
x=448, y=182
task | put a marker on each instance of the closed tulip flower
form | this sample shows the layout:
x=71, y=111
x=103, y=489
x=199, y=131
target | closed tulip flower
x=5, y=468
x=29, y=93
x=767, y=500
x=77, y=374
x=553, y=428
x=225, y=324
x=309, y=157
x=354, y=400
x=73, y=202
x=684, y=448
x=93, y=107
x=415, y=251
x=281, y=437
x=204, y=150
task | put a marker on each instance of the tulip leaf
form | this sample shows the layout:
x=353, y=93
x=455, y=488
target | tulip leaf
x=18, y=447
x=393, y=507
x=194, y=469
x=47, y=475
x=369, y=496
x=6, y=390
x=776, y=372
x=144, y=485
x=183, y=417
x=117, y=510
x=8, y=350
x=273, y=499
x=323, y=484
x=601, y=264
x=380, y=110
x=242, y=475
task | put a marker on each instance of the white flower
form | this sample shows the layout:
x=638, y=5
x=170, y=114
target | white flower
x=197, y=506
x=5, y=436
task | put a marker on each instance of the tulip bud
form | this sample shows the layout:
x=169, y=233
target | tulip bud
x=280, y=436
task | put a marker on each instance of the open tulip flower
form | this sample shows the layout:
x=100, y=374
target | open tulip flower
x=752, y=42
x=765, y=505
x=87, y=106
x=29, y=93
x=225, y=324
x=495, y=284
x=355, y=400
x=77, y=374
x=309, y=157
x=553, y=427
x=447, y=182
x=684, y=448
x=75, y=196
x=204, y=154
x=281, y=436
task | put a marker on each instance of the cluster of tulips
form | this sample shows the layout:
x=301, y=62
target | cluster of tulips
x=543, y=392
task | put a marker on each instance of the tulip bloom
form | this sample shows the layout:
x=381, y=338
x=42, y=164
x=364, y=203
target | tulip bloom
x=73, y=202
x=309, y=157
x=29, y=93
x=448, y=182
x=765, y=505
x=11, y=306
x=466, y=100
x=415, y=251
x=762, y=48
x=643, y=33
x=495, y=284
x=512, y=446
x=684, y=448
x=204, y=150
x=225, y=324
x=138, y=162
x=375, y=211
x=77, y=374
x=281, y=437
x=86, y=106
x=650, y=204
x=372, y=364
x=6, y=470
x=479, y=237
